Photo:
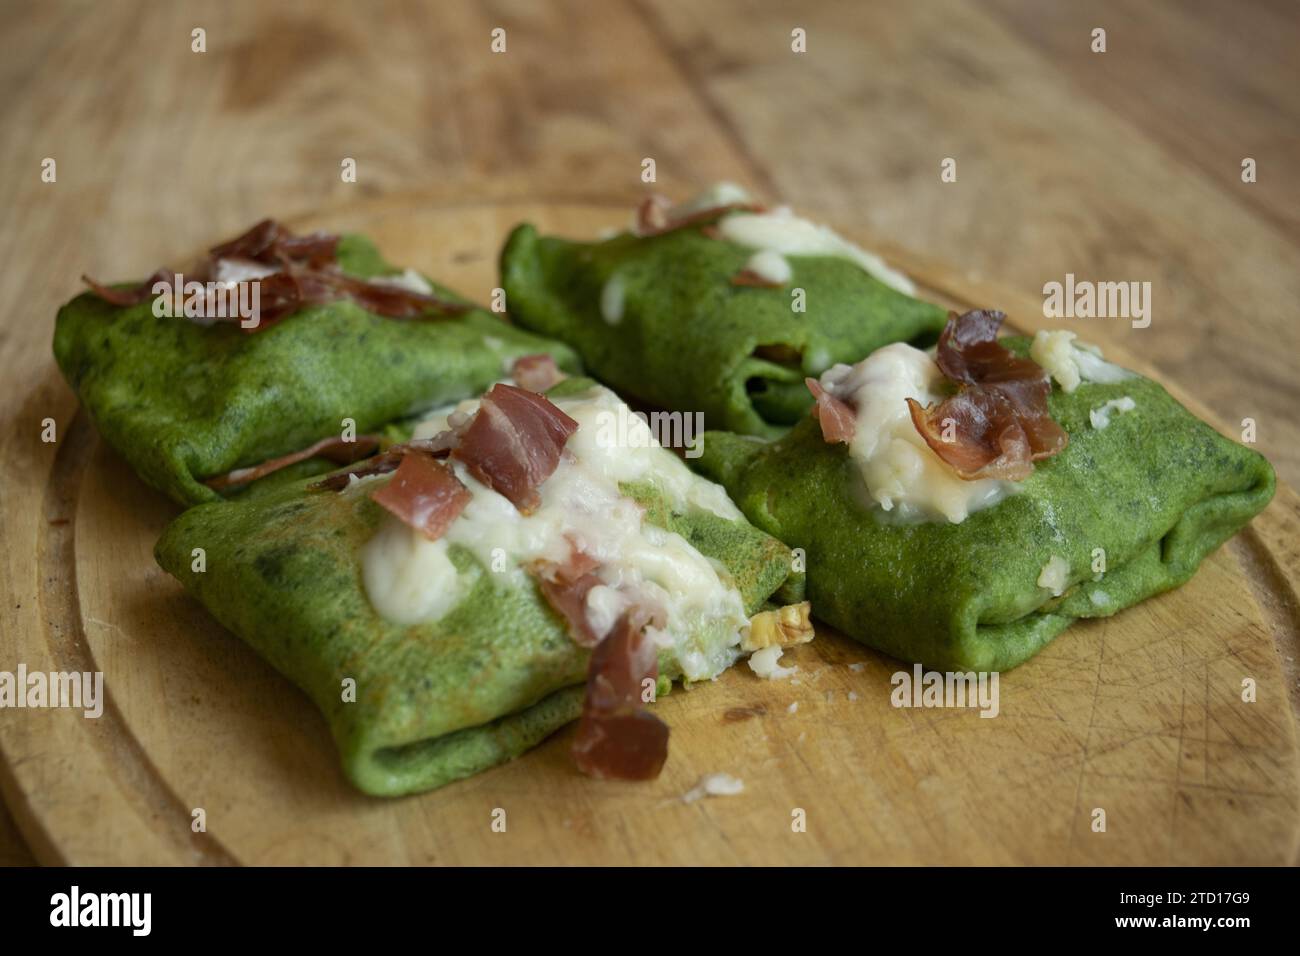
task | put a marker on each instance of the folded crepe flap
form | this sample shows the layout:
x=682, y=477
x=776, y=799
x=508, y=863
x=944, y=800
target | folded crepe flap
x=1154, y=492
x=435, y=701
x=434, y=762
x=659, y=319
x=184, y=402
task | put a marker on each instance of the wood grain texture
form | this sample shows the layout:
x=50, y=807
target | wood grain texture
x=1116, y=166
x=1140, y=714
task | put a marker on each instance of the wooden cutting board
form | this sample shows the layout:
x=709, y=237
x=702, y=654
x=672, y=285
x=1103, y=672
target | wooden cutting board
x=1140, y=715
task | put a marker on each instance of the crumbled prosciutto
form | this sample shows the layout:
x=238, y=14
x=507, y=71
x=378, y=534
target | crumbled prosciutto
x=999, y=420
x=134, y=295
x=836, y=416
x=513, y=443
x=393, y=302
x=381, y=464
x=291, y=272
x=271, y=243
x=617, y=737
x=537, y=373
x=335, y=448
x=655, y=215
x=424, y=493
x=565, y=587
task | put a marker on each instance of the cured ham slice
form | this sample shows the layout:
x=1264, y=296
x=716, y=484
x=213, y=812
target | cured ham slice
x=134, y=295
x=836, y=416
x=617, y=737
x=424, y=493
x=271, y=243
x=565, y=587
x=537, y=373
x=998, y=423
x=393, y=302
x=334, y=448
x=306, y=272
x=514, y=442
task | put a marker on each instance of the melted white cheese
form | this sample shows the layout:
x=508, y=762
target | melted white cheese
x=712, y=197
x=232, y=271
x=1072, y=365
x=611, y=300
x=782, y=232
x=770, y=267
x=407, y=580
x=1100, y=416
x=1055, y=576
x=409, y=279
x=901, y=473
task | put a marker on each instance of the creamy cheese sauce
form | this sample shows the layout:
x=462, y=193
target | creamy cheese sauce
x=410, y=578
x=901, y=473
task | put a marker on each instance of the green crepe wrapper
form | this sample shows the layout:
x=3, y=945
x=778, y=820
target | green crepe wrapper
x=687, y=337
x=436, y=701
x=183, y=402
x=1157, y=489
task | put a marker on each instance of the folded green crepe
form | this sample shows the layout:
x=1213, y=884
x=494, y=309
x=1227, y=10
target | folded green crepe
x=184, y=402
x=434, y=701
x=658, y=318
x=1156, y=490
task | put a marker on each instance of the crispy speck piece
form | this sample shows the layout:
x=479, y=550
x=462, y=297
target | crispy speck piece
x=783, y=627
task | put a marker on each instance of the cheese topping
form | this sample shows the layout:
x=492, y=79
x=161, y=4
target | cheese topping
x=409, y=279
x=770, y=267
x=1100, y=416
x=901, y=473
x=713, y=197
x=1055, y=576
x=611, y=300
x=411, y=579
x=1072, y=365
x=781, y=231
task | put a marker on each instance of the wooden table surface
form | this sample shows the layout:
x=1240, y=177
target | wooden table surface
x=1122, y=165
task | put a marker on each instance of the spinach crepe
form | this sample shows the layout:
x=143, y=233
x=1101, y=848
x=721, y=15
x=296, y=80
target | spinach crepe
x=467, y=597
x=716, y=307
x=1115, y=498
x=345, y=342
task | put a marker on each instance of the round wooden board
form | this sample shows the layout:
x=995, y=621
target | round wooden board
x=1140, y=715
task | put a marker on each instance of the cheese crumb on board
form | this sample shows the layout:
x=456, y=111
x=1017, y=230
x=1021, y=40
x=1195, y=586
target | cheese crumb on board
x=764, y=663
x=714, y=785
